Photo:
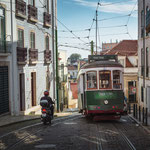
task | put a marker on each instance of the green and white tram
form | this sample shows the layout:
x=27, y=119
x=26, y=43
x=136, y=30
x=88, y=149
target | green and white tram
x=100, y=87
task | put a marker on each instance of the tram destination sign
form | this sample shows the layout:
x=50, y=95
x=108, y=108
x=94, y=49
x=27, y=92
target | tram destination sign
x=92, y=58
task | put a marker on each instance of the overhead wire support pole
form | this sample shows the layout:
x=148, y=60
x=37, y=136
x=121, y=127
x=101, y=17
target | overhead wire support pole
x=57, y=77
x=96, y=31
x=144, y=65
x=53, y=48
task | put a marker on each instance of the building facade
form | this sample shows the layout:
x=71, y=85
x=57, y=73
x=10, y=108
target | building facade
x=127, y=51
x=144, y=53
x=26, y=71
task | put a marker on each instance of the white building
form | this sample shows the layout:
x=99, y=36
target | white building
x=144, y=92
x=25, y=64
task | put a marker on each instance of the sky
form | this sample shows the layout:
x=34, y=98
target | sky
x=117, y=20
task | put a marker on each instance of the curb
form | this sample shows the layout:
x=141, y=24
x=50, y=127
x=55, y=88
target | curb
x=146, y=129
x=29, y=119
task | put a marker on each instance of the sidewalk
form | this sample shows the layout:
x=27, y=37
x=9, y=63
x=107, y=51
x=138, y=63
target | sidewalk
x=147, y=128
x=8, y=119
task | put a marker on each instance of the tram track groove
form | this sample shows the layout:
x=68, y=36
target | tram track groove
x=125, y=138
x=13, y=145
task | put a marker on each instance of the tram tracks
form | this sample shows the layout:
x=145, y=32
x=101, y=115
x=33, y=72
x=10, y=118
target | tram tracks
x=125, y=138
x=8, y=141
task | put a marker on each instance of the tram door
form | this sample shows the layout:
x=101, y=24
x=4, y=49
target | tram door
x=84, y=94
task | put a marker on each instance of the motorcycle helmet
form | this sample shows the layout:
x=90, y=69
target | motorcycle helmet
x=46, y=93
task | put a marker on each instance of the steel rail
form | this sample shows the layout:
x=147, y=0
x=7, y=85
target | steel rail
x=28, y=136
x=33, y=125
x=126, y=139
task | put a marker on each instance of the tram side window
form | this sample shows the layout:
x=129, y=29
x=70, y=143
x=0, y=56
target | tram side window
x=92, y=80
x=116, y=80
x=105, y=79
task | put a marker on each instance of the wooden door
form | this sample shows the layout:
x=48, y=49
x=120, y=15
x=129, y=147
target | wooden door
x=33, y=88
x=22, y=91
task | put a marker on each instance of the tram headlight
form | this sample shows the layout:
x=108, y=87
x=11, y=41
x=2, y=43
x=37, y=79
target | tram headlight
x=105, y=102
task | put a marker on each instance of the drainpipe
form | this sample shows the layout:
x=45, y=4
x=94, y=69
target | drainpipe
x=53, y=48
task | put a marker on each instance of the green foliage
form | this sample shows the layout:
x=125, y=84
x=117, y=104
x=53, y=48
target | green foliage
x=74, y=57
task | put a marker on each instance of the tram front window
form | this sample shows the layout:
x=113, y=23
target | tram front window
x=116, y=80
x=91, y=80
x=105, y=79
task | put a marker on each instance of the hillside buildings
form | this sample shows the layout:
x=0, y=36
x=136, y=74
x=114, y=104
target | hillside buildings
x=144, y=53
x=25, y=54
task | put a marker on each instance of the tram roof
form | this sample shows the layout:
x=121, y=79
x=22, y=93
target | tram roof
x=97, y=64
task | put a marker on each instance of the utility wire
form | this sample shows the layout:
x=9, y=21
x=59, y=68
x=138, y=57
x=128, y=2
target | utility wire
x=115, y=17
x=115, y=3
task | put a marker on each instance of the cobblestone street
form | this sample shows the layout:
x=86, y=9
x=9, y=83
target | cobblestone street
x=77, y=132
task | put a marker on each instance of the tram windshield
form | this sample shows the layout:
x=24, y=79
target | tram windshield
x=105, y=79
x=116, y=80
x=92, y=80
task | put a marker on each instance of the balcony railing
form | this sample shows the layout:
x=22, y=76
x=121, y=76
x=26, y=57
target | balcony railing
x=21, y=8
x=5, y=47
x=21, y=55
x=32, y=13
x=47, y=19
x=47, y=56
x=33, y=56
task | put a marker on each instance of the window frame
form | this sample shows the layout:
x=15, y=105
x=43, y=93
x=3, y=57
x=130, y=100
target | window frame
x=120, y=83
x=33, y=1
x=4, y=27
x=110, y=85
x=96, y=81
x=47, y=43
x=32, y=32
x=147, y=62
x=20, y=29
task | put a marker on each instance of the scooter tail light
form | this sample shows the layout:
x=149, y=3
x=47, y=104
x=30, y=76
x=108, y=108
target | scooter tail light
x=44, y=110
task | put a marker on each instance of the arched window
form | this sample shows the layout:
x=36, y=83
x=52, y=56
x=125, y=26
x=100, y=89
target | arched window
x=2, y=30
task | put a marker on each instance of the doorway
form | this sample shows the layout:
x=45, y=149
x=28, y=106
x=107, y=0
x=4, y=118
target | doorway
x=33, y=88
x=132, y=91
x=22, y=91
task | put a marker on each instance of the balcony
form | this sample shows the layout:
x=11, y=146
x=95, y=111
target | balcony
x=47, y=19
x=32, y=14
x=148, y=22
x=47, y=56
x=21, y=55
x=33, y=56
x=21, y=9
x=5, y=48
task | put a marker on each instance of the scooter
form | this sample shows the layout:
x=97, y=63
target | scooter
x=46, y=116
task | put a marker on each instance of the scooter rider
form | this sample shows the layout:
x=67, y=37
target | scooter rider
x=49, y=99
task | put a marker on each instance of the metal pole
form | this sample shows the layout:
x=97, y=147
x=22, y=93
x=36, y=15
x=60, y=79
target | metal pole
x=146, y=117
x=139, y=113
x=143, y=114
x=12, y=63
x=53, y=48
x=144, y=51
x=57, y=77
x=92, y=47
x=96, y=31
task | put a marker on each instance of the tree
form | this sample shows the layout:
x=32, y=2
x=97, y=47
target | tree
x=74, y=57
